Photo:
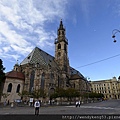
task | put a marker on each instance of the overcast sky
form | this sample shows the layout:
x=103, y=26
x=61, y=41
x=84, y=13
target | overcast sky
x=25, y=24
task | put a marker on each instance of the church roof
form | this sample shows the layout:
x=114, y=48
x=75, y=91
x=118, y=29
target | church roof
x=74, y=77
x=38, y=56
x=15, y=74
x=76, y=74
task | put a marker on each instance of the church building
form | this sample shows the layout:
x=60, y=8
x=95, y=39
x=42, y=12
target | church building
x=40, y=70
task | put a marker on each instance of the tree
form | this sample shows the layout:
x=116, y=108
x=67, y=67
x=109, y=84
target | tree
x=2, y=76
x=23, y=94
x=59, y=92
x=71, y=93
x=5, y=95
x=96, y=95
x=38, y=93
x=68, y=93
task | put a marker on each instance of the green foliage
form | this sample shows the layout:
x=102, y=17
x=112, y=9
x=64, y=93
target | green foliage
x=2, y=74
x=23, y=93
x=95, y=95
x=34, y=94
x=60, y=92
x=86, y=95
x=100, y=95
x=2, y=77
x=55, y=95
x=68, y=93
x=5, y=95
x=38, y=93
x=71, y=92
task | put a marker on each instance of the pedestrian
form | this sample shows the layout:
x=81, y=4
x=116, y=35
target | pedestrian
x=79, y=103
x=76, y=103
x=37, y=106
x=5, y=102
x=8, y=102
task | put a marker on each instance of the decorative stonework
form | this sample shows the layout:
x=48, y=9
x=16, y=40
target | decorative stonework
x=42, y=70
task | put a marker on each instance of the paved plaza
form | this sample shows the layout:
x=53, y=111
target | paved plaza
x=104, y=107
x=99, y=110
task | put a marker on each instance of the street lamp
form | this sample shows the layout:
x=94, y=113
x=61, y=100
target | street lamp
x=113, y=34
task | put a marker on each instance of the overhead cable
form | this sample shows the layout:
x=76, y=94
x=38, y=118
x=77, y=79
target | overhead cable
x=99, y=61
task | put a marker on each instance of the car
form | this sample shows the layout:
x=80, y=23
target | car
x=19, y=103
x=18, y=100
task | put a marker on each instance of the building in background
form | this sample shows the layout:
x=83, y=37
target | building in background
x=109, y=88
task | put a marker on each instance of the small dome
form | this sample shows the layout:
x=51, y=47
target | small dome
x=15, y=74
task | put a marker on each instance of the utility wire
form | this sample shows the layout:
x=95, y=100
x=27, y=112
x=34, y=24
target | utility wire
x=99, y=61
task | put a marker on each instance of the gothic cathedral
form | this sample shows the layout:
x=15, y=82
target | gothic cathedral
x=39, y=70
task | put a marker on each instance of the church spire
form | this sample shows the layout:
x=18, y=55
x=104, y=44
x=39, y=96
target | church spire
x=61, y=34
x=17, y=67
x=61, y=48
x=61, y=25
x=61, y=53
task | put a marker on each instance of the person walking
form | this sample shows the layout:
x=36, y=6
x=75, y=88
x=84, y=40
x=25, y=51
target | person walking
x=79, y=103
x=37, y=106
x=76, y=103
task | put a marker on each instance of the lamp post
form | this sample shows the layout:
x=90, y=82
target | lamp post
x=113, y=34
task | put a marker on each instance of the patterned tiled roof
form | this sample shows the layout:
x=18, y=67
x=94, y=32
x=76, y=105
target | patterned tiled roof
x=38, y=56
x=15, y=74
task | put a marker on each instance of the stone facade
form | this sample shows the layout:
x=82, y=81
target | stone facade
x=40, y=77
x=43, y=71
x=14, y=83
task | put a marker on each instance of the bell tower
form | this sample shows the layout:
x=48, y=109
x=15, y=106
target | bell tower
x=61, y=51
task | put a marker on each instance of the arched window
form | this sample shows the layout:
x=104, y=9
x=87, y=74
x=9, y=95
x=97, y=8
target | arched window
x=51, y=77
x=59, y=46
x=62, y=32
x=18, y=88
x=42, y=81
x=38, y=65
x=65, y=47
x=58, y=32
x=9, y=87
x=31, y=81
